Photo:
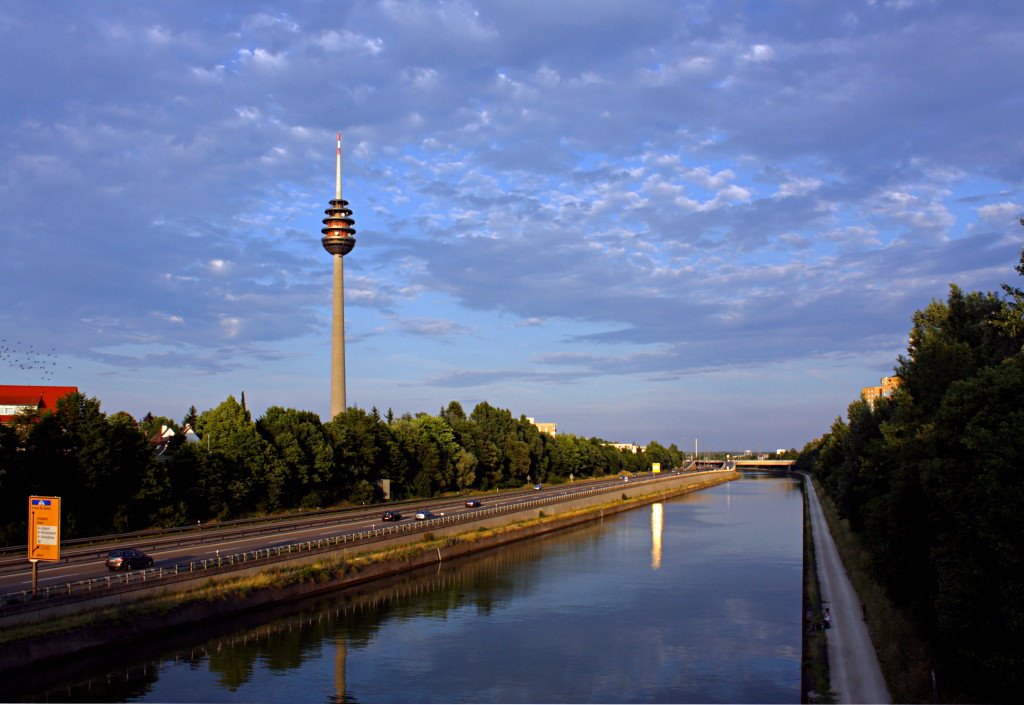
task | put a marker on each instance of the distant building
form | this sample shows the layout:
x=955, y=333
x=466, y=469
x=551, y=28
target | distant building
x=631, y=447
x=888, y=386
x=550, y=429
x=162, y=438
x=16, y=398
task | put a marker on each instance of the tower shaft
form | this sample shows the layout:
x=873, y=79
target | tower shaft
x=338, y=339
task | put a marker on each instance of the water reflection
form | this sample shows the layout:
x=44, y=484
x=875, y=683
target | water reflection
x=705, y=610
x=657, y=525
x=340, y=654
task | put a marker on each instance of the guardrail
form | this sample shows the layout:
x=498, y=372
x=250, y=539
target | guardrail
x=182, y=536
x=136, y=580
x=12, y=558
x=149, y=535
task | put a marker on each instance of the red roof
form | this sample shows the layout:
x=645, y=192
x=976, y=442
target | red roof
x=31, y=395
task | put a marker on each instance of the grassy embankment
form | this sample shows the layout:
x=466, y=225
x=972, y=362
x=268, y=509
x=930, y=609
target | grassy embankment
x=322, y=570
x=902, y=655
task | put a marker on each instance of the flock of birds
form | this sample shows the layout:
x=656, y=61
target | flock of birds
x=29, y=361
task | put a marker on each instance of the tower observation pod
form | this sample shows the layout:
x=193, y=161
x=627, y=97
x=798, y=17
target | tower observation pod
x=338, y=239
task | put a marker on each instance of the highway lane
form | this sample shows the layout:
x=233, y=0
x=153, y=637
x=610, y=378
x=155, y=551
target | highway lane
x=60, y=574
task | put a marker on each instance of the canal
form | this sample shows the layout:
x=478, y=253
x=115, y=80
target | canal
x=697, y=599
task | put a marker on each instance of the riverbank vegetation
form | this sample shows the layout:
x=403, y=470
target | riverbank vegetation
x=929, y=482
x=111, y=479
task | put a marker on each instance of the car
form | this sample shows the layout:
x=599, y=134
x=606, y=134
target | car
x=536, y=487
x=424, y=514
x=472, y=502
x=391, y=516
x=128, y=559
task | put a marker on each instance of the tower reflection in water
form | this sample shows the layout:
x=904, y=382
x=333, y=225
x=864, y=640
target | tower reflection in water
x=340, y=657
x=657, y=524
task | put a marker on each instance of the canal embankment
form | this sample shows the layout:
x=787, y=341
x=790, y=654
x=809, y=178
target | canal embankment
x=118, y=619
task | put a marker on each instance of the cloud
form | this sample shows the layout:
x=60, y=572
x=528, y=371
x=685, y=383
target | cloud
x=431, y=327
x=626, y=190
x=1000, y=212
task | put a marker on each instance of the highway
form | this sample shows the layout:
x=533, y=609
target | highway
x=170, y=548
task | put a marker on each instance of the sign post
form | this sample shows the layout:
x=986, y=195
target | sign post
x=43, y=533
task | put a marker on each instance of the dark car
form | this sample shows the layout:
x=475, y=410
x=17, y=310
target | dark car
x=391, y=516
x=128, y=559
x=472, y=502
x=424, y=514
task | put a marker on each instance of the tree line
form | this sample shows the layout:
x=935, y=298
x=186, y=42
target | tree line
x=933, y=480
x=110, y=479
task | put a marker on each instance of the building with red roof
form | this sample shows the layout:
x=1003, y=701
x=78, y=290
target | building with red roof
x=17, y=398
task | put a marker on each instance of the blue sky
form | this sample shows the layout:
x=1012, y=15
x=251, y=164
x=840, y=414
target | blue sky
x=641, y=219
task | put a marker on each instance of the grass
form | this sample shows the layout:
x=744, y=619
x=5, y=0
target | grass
x=902, y=655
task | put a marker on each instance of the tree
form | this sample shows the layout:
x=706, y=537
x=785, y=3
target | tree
x=13, y=483
x=362, y=450
x=1011, y=322
x=931, y=479
x=516, y=454
x=244, y=472
x=978, y=553
x=952, y=341
x=657, y=453
x=465, y=470
x=304, y=446
x=191, y=418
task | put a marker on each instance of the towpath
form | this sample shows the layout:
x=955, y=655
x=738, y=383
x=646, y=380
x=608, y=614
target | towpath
x=853, y=664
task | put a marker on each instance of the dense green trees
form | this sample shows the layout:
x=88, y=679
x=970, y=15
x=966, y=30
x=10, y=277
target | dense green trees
x=932, y=479
x=79, y=453
x=111, y=480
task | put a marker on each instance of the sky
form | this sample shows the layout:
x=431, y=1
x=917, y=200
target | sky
x=672, y=220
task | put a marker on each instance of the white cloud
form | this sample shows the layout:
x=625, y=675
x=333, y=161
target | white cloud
x=262, y=59
x=231, y=326
x=1001, y=213
x=345, y=41
x=759, y=53
x=798, y=186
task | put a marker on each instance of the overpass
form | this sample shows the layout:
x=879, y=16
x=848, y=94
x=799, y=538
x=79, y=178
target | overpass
x=770, y=464
x=709, y=464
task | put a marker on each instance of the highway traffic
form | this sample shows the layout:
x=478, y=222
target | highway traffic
x=210, y=542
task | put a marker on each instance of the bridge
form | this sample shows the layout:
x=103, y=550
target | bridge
x=709, y=464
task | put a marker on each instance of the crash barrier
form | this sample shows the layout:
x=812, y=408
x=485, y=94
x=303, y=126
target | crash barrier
x=12, y=559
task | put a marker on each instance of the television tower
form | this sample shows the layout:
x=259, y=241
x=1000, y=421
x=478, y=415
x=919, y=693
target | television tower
x=338, y=240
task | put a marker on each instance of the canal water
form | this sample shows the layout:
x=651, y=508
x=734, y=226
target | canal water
x=697, y=599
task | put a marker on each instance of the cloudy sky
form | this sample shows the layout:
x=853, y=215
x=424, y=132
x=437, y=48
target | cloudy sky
x=640, y=219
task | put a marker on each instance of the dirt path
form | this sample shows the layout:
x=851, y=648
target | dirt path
x=853, y=665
